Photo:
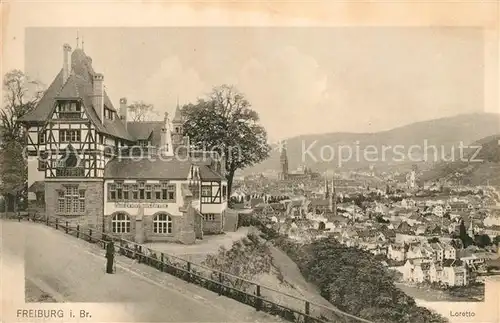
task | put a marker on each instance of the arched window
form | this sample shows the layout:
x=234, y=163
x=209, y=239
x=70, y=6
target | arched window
x=120, y=223
x=162, y=223
x=321, y=226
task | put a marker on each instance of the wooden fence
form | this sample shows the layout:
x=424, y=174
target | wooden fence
x=262, y=298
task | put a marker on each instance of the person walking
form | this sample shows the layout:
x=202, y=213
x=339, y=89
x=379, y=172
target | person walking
x=110, y=256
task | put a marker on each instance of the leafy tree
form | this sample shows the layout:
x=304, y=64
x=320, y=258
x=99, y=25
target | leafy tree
x=225, y=122
x=21, y=94
x=466, y=240
x=356, y=282
x=433, y=240
x=246, y=259
x=482, y=240
x=496, y=240
x=141, y=111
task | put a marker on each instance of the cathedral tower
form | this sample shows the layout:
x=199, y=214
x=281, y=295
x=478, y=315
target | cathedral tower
x=283, y=175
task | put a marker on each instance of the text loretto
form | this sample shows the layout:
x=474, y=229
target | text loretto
x=462, y=314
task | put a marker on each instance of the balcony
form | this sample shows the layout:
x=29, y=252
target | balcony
x=70, y=172
x=70, y=115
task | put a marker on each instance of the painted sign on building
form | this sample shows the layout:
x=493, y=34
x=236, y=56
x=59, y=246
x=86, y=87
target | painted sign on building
x=144, y=205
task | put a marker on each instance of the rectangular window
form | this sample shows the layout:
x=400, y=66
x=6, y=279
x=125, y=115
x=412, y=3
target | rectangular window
x=224, y=192
x=141, y=191
x=164, y=191
x=171, y=192
x=206, y=191
x=69, y=135
x=119, y=191
x=206, y=194
x=82, y=200
x=112, y=192
x=69, y=110
x=135, y=191
x=209, y=217
x=157, y=189
x=60, y=205
x=149, y=191
x=71, y=200
x=126, y=189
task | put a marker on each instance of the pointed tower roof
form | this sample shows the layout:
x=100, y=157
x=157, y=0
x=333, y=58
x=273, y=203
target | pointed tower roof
x=178, y=114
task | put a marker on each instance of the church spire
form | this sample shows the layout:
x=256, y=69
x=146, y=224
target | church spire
x=327, y=189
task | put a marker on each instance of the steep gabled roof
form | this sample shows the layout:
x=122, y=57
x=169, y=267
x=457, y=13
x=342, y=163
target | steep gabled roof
x=143, y=130
x=78, y=86
x=128, y=168
x=209, y=174
x=46, y=104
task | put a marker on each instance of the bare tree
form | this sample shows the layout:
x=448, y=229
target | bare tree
x=141, y=111
x=21, y=94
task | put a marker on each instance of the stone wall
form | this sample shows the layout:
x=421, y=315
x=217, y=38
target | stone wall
x=213, y=226
x=92, y=217
x=231, y=221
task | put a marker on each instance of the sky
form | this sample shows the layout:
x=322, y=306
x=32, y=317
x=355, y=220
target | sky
x=301, y=80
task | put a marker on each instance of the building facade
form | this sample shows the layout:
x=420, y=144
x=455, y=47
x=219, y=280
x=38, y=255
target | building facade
x=301, y=173
x=89, y=164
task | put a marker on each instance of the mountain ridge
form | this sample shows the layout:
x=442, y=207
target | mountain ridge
x=443, y=133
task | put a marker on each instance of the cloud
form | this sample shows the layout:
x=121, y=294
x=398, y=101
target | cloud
x=170, y=81
x=287, y=88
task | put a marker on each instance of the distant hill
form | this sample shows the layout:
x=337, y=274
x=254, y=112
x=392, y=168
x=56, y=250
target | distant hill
x=477, y=165
x=400, y=147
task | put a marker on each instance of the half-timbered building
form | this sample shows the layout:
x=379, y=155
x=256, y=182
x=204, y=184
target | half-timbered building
x=141, y=180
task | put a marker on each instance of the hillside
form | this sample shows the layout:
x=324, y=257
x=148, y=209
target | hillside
x=403, y=145
x=479, y=166
x=255, y=259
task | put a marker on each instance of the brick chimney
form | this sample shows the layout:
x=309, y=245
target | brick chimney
x=66, y=66
x=98, y=98
x=123, y=111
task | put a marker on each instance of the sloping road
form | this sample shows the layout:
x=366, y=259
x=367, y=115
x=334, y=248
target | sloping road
x=74, y=270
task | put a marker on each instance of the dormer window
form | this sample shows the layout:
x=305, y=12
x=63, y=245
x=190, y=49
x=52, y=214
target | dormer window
x=69, y=110
x=108, y=114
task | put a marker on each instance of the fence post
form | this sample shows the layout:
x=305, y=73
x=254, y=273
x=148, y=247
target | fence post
x=57, y=223
x=189, y=271
x=66, y=227
x=258, y=303
x=47, y=220
x=220, y=283
x=162, y=263
x=307, y=311
x=77, y=231
x=90, y=235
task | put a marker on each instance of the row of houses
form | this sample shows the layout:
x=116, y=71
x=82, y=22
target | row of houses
x=451, y=272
